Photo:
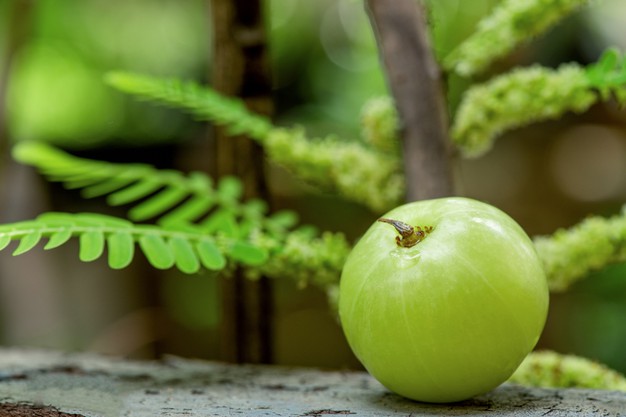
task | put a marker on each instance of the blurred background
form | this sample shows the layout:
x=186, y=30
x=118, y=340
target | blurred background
x=53, y=54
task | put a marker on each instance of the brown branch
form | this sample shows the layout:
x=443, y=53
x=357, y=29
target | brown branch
x=415, y=81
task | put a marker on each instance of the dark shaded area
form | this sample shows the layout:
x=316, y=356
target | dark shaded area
x=32, y=410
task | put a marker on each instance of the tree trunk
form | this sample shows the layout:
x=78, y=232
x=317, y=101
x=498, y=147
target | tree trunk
x=240, y=68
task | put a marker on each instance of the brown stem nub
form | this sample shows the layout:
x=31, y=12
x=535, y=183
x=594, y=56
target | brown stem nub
x=409, y=235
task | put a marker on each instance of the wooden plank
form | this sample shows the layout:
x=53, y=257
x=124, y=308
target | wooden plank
x=96, y=386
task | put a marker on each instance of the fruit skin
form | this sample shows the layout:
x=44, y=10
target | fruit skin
x=452, y=316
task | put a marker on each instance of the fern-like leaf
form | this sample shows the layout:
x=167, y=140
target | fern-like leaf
x=188, y=249
x=169, y=195
x=203, y=103
x=608, y=75
x=299, y=255
x=242, y=232
x=370, y=173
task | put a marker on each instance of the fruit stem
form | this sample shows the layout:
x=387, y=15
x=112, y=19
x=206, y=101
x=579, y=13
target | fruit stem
x=409, y=235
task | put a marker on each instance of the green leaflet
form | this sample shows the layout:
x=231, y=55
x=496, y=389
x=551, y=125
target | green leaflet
x=4, y=241
x=29, y=241
x=608, y=75
x=91, y=245
x=256, y=209
x=221, y=221
x=84, y=181
x=157, y=204
x=157, y=251
x=134, y=192
x=247, y=253
x=107, y=186
x=210, y=255
x=229, y=189
x=58, y=238
x=121, y=248
x=190, y=210
x=283, y=219
x=184, y=255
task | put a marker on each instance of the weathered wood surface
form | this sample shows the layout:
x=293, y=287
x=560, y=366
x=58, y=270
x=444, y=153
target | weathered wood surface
x=92, y=386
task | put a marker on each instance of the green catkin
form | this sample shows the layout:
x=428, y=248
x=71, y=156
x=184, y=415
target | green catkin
x=516, y=99
x=300, y=258
x=348, y=168
x=571, y=254
x=552, y=370
x=511, y=23
x=379, y=122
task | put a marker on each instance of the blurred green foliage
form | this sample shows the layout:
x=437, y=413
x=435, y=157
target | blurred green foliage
x=589, y=318
x=322, y=76
x=56, y=92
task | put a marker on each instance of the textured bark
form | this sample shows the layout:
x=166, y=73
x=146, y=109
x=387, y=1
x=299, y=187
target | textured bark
x=240, y=68
x=95, y=386
x=415, y=81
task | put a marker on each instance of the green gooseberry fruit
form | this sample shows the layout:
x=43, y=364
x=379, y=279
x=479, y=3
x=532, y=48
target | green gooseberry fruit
x=448, y=304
